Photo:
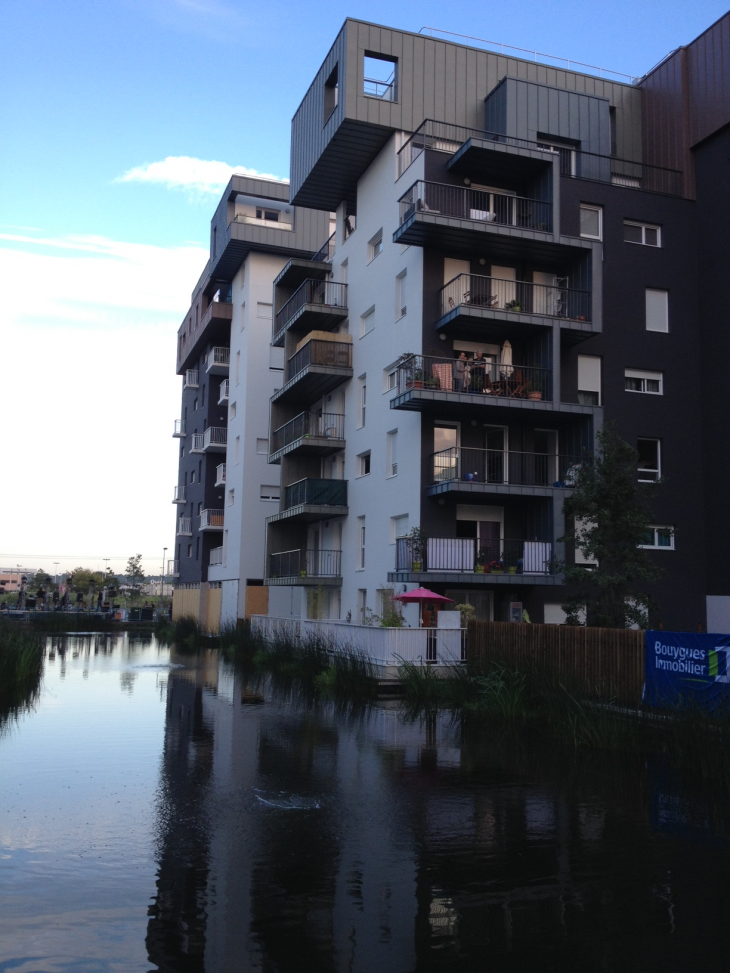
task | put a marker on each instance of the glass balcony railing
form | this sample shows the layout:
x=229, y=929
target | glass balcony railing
x=327, y=493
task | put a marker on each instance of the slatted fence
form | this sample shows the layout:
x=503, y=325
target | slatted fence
x=603, y=662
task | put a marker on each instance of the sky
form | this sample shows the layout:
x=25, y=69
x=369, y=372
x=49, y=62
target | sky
x=120, y=123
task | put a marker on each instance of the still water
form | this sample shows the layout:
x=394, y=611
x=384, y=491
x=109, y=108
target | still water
x=151, y=820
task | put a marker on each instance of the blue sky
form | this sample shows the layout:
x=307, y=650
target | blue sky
x=98, y=268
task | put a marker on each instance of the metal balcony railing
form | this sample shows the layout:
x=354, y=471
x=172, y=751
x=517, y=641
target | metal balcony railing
x=190, y=379
x=215, y=436
x=305, y=564
x=308, y=425
x=328, y=493
x=179, y=430
x=322, y=293
x=326, y=252
x=216, y=556
x=516, y=297
x=506, y=466
x=180, y=494
x=385, y=90
x=211, y=518
x=185, y=526
x=197, y=442
x=483, y=378
x=173, y=568
x=317, y=352
x=260, y=221
x=220, y=475
x=223, y=396
x=219, y=356
x=477, y=205
x=467, y=555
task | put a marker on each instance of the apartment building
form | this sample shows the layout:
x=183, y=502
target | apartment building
x=521, y=253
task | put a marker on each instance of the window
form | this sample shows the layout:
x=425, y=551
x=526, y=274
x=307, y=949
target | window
x=215, y=243
x=238, y=366
x=363, y=464
x=267, y=214
x=237, y=449
x=401, y=299
x=200, y=508
x=243, y=315
x=360, y=563
x=331, y=92
x=589, y=380
x=192, y=476
x=195, y=405
x=639, y=381
x=644, y=233
x=231, y=497
x=367, y=321
x=375, y=245
x=276, y=358
x=262, y=447
x=263, y=311
x=362, y=604
x=391, y=380
x=190, y=550
x=661, y=538
x=363, y=401
x=202, y=393
x=380, y=76
x=232, y=411
x=391, y=454
x=591, y=222
x=182, y=452
x=398, y=527
x=657, y=310
x=269, y=492
x=649, y=451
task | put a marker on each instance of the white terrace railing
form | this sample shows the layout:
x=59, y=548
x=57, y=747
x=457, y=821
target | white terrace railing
x=220, y=474
x=223, y=397
x=216, y=556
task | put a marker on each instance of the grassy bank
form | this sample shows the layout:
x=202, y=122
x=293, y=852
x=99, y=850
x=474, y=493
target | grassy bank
x=21, y=668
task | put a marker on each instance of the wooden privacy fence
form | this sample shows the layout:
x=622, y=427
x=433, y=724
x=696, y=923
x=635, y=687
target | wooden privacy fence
x=604, y=662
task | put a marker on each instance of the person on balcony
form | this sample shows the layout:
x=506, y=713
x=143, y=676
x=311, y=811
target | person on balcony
x=461, y=373
x=479, y=371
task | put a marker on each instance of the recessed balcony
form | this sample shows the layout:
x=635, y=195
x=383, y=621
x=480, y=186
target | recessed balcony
x=318, y=366
x=465, y=560
x=179, y=429
x=216, y=556
x=465, y=470
x=313, y=499
x=215, y=439
x=314, y=304
x=173, y=568
x=310, y=434
x=223, y=393
x=211, y=520
x=180, y=494
x=297, y=270
x=190, y=379
x=218, y=361
x=185, y=526
x=220, y=475
x=305, y=567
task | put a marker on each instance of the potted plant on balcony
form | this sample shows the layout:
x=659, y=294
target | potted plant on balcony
x=302, y=574
x=432, y=383
x=531, y=391
x=496, y=567
x=513, y=306
x=480, y=562
x=418, y=548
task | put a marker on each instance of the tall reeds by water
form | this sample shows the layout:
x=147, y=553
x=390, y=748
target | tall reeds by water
x=21, y=669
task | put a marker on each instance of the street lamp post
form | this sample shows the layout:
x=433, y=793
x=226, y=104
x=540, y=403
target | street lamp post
x=162, y=581
x=55, y=576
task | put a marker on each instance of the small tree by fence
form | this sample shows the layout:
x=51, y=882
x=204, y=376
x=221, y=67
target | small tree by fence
x=604, y=662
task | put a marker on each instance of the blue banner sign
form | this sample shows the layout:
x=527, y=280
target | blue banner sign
x=683, y=668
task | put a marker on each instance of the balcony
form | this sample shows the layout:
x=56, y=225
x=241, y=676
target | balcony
x=185, y=526
x=220, y=475
x=173, y=569
x=216, y=556
x=459, y=560
x=197, y=442
x=472, y=302
x=308, y=567
x=298, y=269
x=223, y=395
x=180, y=494
x=215, y=439
x=190, y=379
x=211, y=520
x=311, y=499
x=317, y=367
x=315, y=304
x=219, y=360
x=462, y=470
x=179, y=429
x=309, y=434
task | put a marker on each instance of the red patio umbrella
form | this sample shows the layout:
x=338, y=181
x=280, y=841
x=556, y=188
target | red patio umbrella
x=421, y=595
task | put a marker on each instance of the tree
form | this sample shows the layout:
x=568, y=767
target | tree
x=81, y=579
x=134, y=572
x=42, y=579
x=609, y=508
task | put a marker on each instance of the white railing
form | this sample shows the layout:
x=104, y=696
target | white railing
x=383, y=647
x=190, y=380
x=179, y=429
x=224, y=391
x=197, y=443
x=180, y=494
x=211, y=518
x=173, y=568
x=219, y=356
x=215, y=436
x=216, y=556
x=220, y=475
x=185, y=525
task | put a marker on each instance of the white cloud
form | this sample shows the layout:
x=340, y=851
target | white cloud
x=195, y=175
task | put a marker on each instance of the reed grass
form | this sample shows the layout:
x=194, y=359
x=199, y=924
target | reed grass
x=185, y=633
x=21, y=669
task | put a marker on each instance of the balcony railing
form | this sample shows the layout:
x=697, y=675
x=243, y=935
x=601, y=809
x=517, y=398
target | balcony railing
x=516, y=297
x=185, y=526
x=385, y=90
x=318, y=352
x=498, y=466
x=323, y=293
x=445, y=137
x=327, y=493
x=308, y=425
x=305, y=564
x=223, y=397
x=216, y=556
x=197, y=442
x=483, y=378
x=476, y=205
x=467, y=555
x=173, y=568
x=215, y=436
x=180, y=494
x=179, y=430
x=220, y=475
x=190, y=380
x=211, y=519
x=219, y=357
x=259, y=221
x=327, y=252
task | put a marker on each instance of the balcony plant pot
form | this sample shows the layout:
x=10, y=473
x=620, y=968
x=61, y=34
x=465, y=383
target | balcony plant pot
x=479, y=569
x=535, y=396
x=416, y=566
x=496, y=571
x=512, y=570
x=302, y=574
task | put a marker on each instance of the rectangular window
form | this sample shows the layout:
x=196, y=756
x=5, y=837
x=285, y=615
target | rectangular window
x=200, y=508
x=190, y=550
x=401, y=294
x=232, y=411
x=195, y=405
x=363, y=464
x=202, y=394
x=238, y=366
x=391, y=454
x=398, y=527
x=391, y=380
x=657, y=310
x=331, y=92
x=360, y=563
x=237, y=449
x=375, y=245
x=362, y=604
x=380, y=76
x=267, y=214
x=636, y=380
x=231, y=497
x=362, y=404
x=243, y=315
x=659, y=538
x=589, y=380
x=262, y=447
x=276, y=358
x=269, y=492
x=263, y=311
x=591, y=222
x=367, y=321
x=192, y=476
x=643, y=233
x=650, y=467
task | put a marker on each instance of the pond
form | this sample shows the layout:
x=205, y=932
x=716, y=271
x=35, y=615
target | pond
x=155, y=815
